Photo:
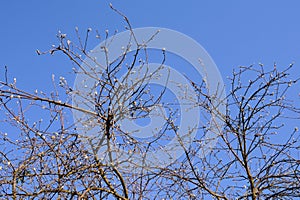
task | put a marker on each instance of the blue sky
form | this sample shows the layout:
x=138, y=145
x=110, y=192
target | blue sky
x=233, y=32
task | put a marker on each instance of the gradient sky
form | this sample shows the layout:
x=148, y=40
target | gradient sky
x=233, y=32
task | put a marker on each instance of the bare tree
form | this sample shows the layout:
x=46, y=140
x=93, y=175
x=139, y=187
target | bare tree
x=50, y=156
x=257, y=155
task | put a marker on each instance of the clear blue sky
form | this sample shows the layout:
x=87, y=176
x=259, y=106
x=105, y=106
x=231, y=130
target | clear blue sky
x=233, y=32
